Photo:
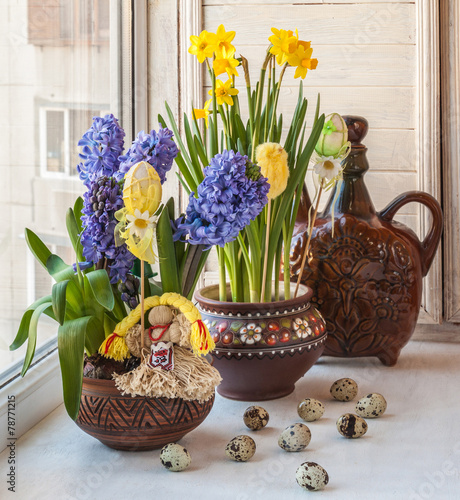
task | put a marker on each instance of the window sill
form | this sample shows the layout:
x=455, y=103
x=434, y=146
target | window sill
x=412, y=451
x=36, y=396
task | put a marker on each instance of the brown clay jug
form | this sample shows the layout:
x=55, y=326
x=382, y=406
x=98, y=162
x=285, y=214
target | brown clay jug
x=367, y=276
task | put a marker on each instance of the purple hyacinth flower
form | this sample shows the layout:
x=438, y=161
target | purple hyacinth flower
x=156, y=148
x=231, y=195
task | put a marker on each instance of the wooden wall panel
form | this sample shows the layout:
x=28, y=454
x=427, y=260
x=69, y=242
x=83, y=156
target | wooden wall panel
x=377, y=59
x=326, y=24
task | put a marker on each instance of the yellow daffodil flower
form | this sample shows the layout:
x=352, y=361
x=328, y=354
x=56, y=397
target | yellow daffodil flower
x=302, y=59
x=226, y=63
x=224, y=92
x=203, y=46
x=223, y=42
x=284, y=44
x=203, y=113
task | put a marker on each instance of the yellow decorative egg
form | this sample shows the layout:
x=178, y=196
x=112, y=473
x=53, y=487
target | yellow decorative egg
x=142, y=190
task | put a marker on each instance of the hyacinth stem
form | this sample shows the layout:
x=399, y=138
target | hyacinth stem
x=307, y=246
x=222, y=275
x=286, y=271
x=142, y=305
x=267, y=241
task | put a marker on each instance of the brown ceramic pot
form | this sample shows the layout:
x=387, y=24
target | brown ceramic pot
x=367, y=276
x=136, y=423
x=262, y=349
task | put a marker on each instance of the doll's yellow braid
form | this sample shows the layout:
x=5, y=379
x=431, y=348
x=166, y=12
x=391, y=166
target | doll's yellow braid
x=114, y=346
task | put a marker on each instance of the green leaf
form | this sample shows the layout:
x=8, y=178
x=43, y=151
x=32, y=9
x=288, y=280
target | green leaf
x=100, y=286
x=167, y=255
x=74, y=234
x=192, y=151
x=201, y=152
x=318, y=101
x=183, y=183
x=77, y=210
x=23, y=330
x=37, y=247
x=109, y=325
x=58, y=294
x=95, y=335
x=58, y=269
x=177, y=137
x=31, y=344
x=155, y=288
x=71, y=346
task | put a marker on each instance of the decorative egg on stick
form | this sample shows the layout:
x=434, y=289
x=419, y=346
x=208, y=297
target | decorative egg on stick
x=142, y=196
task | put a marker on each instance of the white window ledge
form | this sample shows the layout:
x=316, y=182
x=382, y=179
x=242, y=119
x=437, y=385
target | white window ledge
x=36, y=395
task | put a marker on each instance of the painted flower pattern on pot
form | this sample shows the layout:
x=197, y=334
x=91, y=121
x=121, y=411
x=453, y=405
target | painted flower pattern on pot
x=301, y=328
x=250, y=333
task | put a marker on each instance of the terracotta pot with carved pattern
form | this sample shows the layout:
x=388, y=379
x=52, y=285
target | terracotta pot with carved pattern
x=136, y=423
x=262, y=349
x=367, y=276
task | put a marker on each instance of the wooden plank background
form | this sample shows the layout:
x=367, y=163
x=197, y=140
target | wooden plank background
x=367, y=66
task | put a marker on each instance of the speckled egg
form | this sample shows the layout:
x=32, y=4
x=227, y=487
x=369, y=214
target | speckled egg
x=175, y=457
x=344, y=389
x=255, y=418
x=371, y=406
x=351, y=426
x=311, y=476
x=296, y=437
x=241, y=448
x=310, y=409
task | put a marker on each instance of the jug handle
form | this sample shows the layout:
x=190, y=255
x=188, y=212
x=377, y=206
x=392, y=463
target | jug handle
x=431, y=241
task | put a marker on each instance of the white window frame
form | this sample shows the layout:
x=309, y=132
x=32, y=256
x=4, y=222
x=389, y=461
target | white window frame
x=40, y=392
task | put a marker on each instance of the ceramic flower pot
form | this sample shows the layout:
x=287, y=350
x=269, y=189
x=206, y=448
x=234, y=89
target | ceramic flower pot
x=136, y=423
x=262, y=349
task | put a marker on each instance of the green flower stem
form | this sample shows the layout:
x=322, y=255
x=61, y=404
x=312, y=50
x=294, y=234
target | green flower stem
x=260, y=93
x=222, y=275
x=250, y=110
x=287, y=251
x=225, y=125
x=215, y=143
x=202, y=262
x=247, y=260
x=267, y=104
x=275, y=104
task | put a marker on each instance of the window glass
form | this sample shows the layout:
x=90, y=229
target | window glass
x=55, y=77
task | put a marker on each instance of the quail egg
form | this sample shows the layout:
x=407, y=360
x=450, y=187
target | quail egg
x=310, y=409
x=296, y=437
x=311, y=476
x=241, y=448
x=344, y=389
x=351, y=426
x=175, y=457
x=371, y=406
x=255, y=417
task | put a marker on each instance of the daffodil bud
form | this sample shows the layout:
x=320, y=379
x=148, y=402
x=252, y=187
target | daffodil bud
x=334, y=136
